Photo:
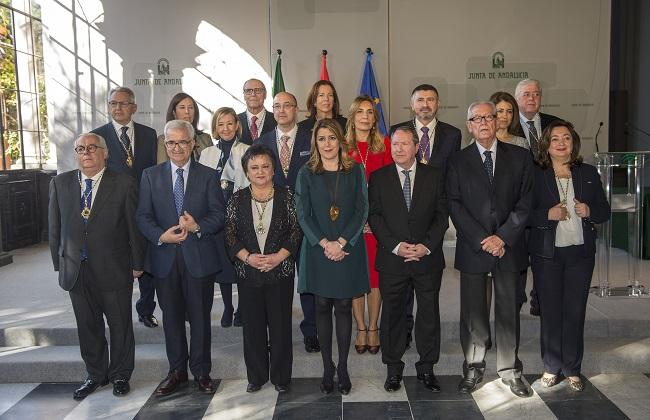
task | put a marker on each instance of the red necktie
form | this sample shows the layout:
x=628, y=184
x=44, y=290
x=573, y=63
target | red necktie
x=254, y=133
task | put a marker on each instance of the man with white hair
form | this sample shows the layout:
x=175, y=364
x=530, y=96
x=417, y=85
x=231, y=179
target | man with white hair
x=528, y=94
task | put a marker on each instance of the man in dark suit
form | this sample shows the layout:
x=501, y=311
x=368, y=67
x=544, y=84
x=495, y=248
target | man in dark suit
x=97, y=250
x=437, y=142
x=131, y=149
x=410, y=233
x=255, y=121
x=489, y=186
x=291, y=148
x=180, y=211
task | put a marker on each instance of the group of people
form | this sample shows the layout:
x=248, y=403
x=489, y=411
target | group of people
x=358, y=216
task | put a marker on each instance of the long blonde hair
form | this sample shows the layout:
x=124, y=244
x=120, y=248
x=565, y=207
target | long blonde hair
x=315, y=163
x=375, y=139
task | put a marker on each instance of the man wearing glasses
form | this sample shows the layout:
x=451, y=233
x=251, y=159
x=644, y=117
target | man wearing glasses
x=97, y=250
x=180, y=210
x=489, y=186
x=255, y=121
x=132, y=147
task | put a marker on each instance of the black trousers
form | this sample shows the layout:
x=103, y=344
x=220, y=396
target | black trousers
x=308, y=306
x=146, y=303
x=394, y=289
x=179, y=294
x=90, y=305
x=262, y=307
x=562, y=285
x=475, y=321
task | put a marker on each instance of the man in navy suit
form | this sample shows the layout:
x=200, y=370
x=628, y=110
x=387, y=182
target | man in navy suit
x=131, y=149
x=437, y=142
x=291, y=147
x=181, y=209
x=255, y=121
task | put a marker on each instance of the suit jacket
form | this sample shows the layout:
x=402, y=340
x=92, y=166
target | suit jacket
x=446, y=141
x=113, y=243
x=479, y=209
x=299, y=156
x=392, y=223
x=269, y=125
x=545, y=120
x=157, y=213
x=144, y=147
x=587, y=188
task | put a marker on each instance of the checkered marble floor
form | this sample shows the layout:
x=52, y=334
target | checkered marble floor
x=606, y=396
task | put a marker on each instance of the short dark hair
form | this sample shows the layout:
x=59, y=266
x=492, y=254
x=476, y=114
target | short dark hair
x=407, y=128
x=313, y=94
x=425, y=86
x=171, y=109
x=254, y=151
x=544, y=160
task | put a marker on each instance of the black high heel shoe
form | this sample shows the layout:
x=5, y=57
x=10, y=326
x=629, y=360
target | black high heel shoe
x=327, y=385
x=344, y=381
x=226, y=318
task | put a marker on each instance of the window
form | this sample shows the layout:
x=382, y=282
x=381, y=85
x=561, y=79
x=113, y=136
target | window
x=23, y=107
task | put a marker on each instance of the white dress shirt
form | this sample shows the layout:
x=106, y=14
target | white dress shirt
x=260, y=120
x=432, y=131
x=537, y=120
x=97, y=179
x=492, y=149
x=186, y=171
x=129, y=132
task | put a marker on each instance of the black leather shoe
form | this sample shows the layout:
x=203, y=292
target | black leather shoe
x=205, y=384
x=311, y=344
x=392, y=383
x=409, y=339
x=469, y=383
x=87, y=388
x=237, y=320
x=121, y=387
x=171, y=383
x=430, y=381
x=149, y=321
x=282, y=388
x=253, y=388
x=517, y=387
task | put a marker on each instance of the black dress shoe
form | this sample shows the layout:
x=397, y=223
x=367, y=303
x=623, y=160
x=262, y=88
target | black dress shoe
x=205, y=384
x=253, y=388
x=468, y=383
x=430, y=381
x=392, y=383
x=171, y=383
x=87, y=388
x=149, y=321
x=517, y=387
x=121, y=387
x=237, y=320
x=311, y=344
x=282, y=388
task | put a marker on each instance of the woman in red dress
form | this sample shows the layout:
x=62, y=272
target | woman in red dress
x=369, y=147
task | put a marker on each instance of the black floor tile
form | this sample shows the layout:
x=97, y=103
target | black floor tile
x=453, y=410
x=186, y=403
x=307, y=410
x=448, y=389
x=46, y=401
x=307, y=390
x=582, y=409
x=377, y=410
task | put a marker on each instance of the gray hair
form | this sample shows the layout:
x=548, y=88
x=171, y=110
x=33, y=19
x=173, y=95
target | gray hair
x=473, y=105
x=100, y=140
x=123, y=89
x=527, y=82
x=406, y=129
x=179, y=125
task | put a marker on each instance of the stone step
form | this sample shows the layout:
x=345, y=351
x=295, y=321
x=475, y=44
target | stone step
x=63, y=363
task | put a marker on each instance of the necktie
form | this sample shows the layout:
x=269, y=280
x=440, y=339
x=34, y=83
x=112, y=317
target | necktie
x=285, y=154
x=534, y=138
x=254, y=132
x=425, y=149
x=179, y=191
x=126, y=142
x=406, y=188
x=86, y=202
x=489, y=166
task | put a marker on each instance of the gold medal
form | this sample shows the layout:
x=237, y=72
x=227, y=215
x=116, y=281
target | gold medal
x=260, y=228
x=424, y=160
x=129, y=161
x=224, y=184
x=334, y=212
x=85, y=213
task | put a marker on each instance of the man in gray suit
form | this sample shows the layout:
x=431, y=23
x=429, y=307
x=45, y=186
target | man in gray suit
x=97, y=250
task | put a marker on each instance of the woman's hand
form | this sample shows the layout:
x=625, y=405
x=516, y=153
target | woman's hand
x=270, y=261
x=558, y=212
x=256, y=261
x=582, y=209
x=334, y=251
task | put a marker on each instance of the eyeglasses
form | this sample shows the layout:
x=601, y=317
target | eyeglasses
x=478, y=118
x=184, y=144
x=278, y=107
x=115, y=104
x=91, y=148
x=255, y=91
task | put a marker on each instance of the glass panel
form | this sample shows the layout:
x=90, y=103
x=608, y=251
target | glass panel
x=29, y=111
x=36, y=9
x=32, y=147
x=6, y=29
x=37, y=30
x=48, y=154
x=25, y=75
x=9, y=109
x=13, y=154
x=23, y=33
x=22, y=5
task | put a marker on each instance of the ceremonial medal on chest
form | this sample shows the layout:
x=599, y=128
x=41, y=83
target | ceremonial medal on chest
x=85, y=213
x=129, y=161
x=334, y=212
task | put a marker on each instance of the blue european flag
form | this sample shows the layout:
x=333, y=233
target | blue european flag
x=369, y=87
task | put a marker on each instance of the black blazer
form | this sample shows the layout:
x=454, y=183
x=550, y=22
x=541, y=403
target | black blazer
x=479, y=209
x=299, y=156
x=545, y=120
x=391, y=222
x=587, y=188
x=446, y=141
x=308, y=124
x=269, y=125
x=112, y=240
x=145, y=149
x=284, y=232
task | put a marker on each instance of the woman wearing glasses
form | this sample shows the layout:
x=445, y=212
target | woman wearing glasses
x=184, y=107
